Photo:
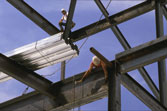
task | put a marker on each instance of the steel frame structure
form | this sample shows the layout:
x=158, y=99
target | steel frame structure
x=58, y=96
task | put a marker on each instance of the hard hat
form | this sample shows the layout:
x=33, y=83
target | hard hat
x=96, y=60
x=63, y=9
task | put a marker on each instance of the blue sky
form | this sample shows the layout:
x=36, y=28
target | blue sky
x=17, y=30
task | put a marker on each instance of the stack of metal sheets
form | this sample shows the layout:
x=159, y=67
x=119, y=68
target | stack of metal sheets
x=42, y=53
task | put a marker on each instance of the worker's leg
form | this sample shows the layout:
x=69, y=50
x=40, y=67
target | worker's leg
x=72, y=25
x=61, y=24
x=61, y=27
x=105, y=70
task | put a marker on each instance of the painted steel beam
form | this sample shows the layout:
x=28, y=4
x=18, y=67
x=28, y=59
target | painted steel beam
x=24, y=75
x=70, y=95
x=161, y=64
x=126, y=46
x=34, y=16
x=142, y=55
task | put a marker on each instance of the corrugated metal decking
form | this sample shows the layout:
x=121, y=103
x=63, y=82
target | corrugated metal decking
x=42, y=53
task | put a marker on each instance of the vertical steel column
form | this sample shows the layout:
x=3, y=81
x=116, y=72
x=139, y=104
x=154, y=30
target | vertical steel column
x=126, y=46
x=63, y=68
x=67, y=32
x=161, y=64
x=69, y=19
x=114, y=88
x=142, y=70
x=114, y=84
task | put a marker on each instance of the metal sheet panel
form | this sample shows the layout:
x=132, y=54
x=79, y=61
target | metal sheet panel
x=42, y=53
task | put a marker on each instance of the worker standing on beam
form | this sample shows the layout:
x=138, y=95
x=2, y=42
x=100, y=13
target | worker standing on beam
x=64, y=18
x=96, y=62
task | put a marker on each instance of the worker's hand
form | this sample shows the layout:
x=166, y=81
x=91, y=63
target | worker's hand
x=77, y=82
x=61, y=21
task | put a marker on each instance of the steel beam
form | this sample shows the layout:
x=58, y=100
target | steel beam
x=126, y=46
x=103, y=9
x=114, y=95
x=25, y=75
x=63, y=68
x=69, y=19
x=114, y=88
x=142, y=55
x=100, y=56
x=135, y=88
x=116, y=19
x=34, y=16
x=164, y=9
x=142, y=70
x=92, y=89
x=162, y=63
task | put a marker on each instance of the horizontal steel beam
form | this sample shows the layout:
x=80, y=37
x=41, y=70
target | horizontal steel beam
x=142, y=55
x=34, y=16
x=69, y=95
x=25, y=75
x=142, y=70
x=116, y=19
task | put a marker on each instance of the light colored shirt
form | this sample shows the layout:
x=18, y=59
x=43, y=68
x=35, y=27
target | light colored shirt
x=64, y=17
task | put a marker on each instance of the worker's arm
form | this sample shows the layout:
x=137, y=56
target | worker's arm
x=104, y=66
x=61, y=20
x=86, y=73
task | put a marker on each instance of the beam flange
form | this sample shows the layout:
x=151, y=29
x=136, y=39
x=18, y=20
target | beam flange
x=34, y=16
x=142, y=55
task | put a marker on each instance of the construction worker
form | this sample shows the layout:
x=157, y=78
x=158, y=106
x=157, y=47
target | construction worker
x=96, y=62
x=64, y=18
